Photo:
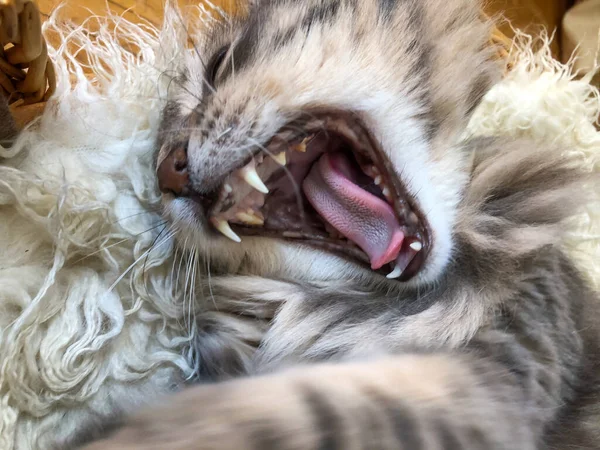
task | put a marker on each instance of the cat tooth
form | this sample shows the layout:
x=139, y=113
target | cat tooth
x=387, y=194
x=370, y=170
x=301, y=147
x=255, y=213
x=395, y=273
x=378, y=180
x=227, y=188
x=416, y=246
x=280, y=158
x=223, y=227
x=250, y=176
x=250, y=219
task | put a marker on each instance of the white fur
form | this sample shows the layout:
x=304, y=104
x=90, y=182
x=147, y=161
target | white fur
x=71, y=348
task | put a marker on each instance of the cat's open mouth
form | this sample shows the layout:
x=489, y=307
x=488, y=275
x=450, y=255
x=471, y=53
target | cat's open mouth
x=326, y=183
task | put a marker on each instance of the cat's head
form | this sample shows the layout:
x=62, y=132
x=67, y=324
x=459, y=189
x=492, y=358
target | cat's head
x=319, y=139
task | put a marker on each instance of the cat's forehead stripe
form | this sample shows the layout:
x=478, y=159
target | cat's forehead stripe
x=246, y=46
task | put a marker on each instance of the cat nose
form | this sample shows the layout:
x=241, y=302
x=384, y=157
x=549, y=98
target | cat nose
x=173, y=174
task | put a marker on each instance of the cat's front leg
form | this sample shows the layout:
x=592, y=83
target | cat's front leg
x=411, y=402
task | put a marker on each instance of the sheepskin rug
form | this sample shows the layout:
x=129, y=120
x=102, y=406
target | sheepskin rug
x=94, y=296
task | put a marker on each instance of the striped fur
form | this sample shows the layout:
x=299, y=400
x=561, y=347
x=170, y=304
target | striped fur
x=495, y=347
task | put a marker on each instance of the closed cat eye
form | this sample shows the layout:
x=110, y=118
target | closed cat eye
x=214, y=65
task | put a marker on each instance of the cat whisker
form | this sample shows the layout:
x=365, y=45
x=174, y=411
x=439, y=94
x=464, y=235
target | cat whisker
x=142, y=256
x=118, y=243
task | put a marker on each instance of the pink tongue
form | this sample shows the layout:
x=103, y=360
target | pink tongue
x=363, y=218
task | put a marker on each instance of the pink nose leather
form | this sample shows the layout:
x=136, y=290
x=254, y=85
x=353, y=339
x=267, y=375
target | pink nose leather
x=172, y=173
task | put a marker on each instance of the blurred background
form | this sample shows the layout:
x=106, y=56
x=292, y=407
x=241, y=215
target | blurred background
x=576, y=22
x=575, y=25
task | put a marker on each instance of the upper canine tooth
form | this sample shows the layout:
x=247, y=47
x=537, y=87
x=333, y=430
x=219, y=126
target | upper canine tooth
x=395, y=273
x=223, y=227
x=280, y=158
x=227, y=188
x=250, y=219
x=416, y=246
x=250, y=176
x=378, y=180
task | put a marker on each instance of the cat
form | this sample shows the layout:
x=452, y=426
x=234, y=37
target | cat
x=376, y=281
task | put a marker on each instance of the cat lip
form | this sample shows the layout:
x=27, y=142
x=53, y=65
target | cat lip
x=264, y=196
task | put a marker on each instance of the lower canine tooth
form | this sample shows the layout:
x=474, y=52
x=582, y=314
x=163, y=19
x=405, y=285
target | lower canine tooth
x=250, y=176
x=280, y=159
x=223, y=227
x=395, y=273
x=250, y=219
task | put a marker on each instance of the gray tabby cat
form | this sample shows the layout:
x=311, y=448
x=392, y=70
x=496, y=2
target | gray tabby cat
x=376, y=283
